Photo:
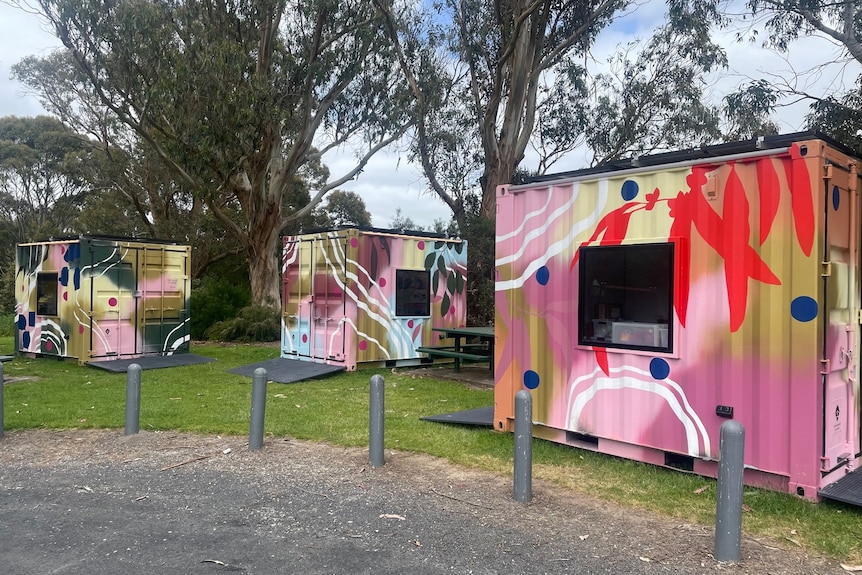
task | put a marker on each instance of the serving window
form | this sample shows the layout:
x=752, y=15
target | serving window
x=626, y=296
x=46, y=294
x=412, y=293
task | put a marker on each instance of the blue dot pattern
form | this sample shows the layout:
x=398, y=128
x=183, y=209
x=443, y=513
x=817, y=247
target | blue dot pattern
x=659, y=368
x=531, y=379
x=543, y=275
x=629, y=190
x=804, y=308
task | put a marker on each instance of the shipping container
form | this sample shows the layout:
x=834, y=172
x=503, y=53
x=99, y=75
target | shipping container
x=646, y=301
x=102, y=298
x=354, y=296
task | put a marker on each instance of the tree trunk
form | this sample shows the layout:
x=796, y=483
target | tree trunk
x=263, y=266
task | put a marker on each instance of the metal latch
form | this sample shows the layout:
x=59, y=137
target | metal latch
x=826, y=269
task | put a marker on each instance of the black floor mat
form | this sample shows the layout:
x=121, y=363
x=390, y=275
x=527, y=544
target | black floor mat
x=482, y=416
x=151, y=362
x=283, y=370
x=848, y=489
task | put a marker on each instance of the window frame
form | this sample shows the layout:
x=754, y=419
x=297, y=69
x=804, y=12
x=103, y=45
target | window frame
x=424, y=294
x=586, y=275
x=48, y=307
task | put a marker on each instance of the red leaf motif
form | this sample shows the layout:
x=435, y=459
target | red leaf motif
x=602, y=359
x=612, y=227
x=802, y=202
x=736, y=231
x=770, y=193
x=651, y=199
x=681, y=229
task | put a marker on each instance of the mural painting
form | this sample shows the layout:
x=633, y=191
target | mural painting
x=93, y=297
x=645, y=306
x=353, y=296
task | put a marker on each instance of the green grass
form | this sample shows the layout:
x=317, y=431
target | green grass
x=206, y=399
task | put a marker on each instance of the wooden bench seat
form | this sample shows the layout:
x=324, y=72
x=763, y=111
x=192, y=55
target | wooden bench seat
x=450, y=352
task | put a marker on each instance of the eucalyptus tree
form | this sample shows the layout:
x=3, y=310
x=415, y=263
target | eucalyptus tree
x=492, y=78
x=45, y=176
x=237, y=98
x=839, y=21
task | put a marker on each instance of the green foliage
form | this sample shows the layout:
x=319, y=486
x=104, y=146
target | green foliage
x=214, y=301
x=479, y=233
x=252, y=323
x=840, y=116
x=747, y=111
x=346, y=209
x=7, y=324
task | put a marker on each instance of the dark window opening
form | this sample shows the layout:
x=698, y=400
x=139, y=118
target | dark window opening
x=412, y=293
x=626, y=296
x=46, y=294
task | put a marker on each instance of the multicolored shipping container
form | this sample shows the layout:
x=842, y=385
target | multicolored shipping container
x=355, y=296
x=101, y=298
x=645, y=302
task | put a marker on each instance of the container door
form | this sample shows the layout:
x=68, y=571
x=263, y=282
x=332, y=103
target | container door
x=328, y=303
x=112, y=286
x=296, y=293
x=841, y=307
x=161, y=299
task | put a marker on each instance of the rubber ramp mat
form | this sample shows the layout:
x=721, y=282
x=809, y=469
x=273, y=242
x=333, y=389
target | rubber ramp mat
x=482, y=416
x=283, y=370
x=848, y=489
x=151, y=362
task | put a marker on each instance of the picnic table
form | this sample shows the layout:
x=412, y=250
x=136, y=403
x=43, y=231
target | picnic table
x=480, y=351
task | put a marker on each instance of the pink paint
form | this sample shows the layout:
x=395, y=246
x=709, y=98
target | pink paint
x=363, y=345
x=651, y=402
x=421, y=245
x=354, y=242
x=112, y=302
x=382, y=282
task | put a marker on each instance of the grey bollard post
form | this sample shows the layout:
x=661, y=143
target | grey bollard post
x=1, y=401
x=133, y=399
x=258, y=407
x=375, y=421
x=728, y=507
x=523, y=477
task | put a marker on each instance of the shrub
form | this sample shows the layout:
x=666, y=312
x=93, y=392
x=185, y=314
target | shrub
x=253, y=323
x=213, y=301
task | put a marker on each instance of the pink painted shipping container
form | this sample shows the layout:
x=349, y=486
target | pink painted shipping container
x=102, y=298
x=354, y=296
x=646, y=302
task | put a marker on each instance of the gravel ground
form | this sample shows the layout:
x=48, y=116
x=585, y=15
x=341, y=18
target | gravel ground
x=99, y=503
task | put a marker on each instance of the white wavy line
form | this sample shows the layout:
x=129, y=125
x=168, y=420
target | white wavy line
x=540, y=231
x=52, y=336
x=367, y=337
x=684, y=412
x=170, y=333
x=556, y=247
x=530, y=216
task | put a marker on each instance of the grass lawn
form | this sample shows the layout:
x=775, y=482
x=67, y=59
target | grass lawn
x=206, y=399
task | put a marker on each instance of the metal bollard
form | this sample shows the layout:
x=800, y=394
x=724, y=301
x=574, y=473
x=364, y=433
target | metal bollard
x=728, y=507
x=133, y=399
x=375, y=421
x=2, y=431
x=523, y=476
x=258, y=407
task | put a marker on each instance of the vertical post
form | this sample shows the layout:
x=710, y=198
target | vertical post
x=258, y=407
x=728, y=508
x=2, y=385
x=523, y=446
x=375, y=422
x=133, y=399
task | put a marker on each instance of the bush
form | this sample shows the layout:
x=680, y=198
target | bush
x=253, y=323
x=213, y=301
x=7, y=325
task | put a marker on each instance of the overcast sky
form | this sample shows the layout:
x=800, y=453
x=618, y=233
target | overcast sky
x=390, y=182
